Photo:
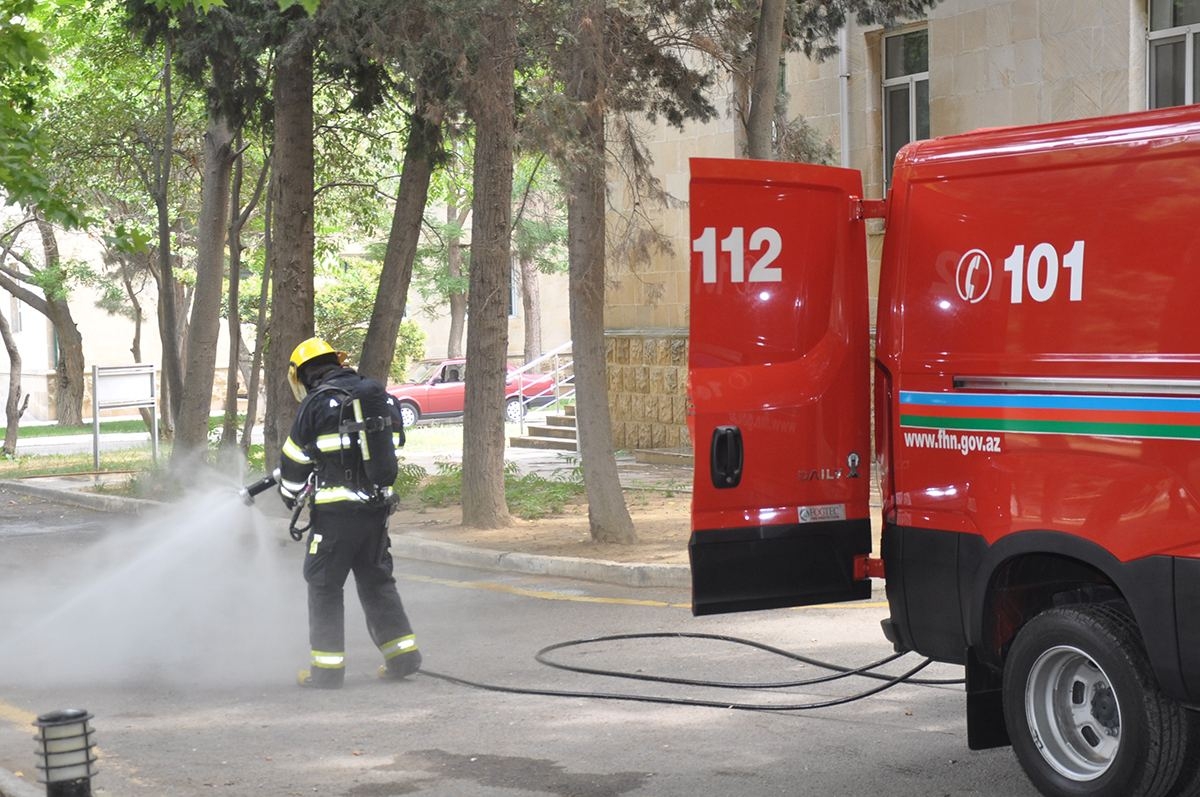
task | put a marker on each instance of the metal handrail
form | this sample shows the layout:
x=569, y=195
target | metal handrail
x=562, y=371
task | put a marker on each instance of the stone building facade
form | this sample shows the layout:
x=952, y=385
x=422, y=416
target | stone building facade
x=968, y=64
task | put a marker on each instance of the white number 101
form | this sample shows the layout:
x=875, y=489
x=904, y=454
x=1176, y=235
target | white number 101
x=1039, y=275
x=734, y=244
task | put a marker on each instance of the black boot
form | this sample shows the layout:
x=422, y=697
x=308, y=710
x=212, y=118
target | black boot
x=400, y=667
x=322, y=678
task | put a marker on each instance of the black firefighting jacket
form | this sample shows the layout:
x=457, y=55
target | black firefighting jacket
x=315, y=447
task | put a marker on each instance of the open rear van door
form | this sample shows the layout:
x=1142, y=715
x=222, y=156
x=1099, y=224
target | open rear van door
x=779, y=381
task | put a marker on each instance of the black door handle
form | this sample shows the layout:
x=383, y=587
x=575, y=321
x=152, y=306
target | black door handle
x=726, y=457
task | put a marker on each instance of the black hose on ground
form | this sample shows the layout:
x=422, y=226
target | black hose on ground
x=839, y=671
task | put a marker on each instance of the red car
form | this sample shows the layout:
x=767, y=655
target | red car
x=436, y=389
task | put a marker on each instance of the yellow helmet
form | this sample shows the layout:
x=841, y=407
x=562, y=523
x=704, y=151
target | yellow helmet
x=306, y=352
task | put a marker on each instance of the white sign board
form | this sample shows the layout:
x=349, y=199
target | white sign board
x=125, y=387
x=121, y=386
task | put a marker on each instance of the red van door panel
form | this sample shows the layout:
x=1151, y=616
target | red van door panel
x=778, y=379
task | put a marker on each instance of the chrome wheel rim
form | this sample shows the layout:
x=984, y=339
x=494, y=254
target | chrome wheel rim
x=1073, y=713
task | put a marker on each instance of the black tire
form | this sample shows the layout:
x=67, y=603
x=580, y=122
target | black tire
x=1188, y=782
x=409, y=414
x=1083, y=709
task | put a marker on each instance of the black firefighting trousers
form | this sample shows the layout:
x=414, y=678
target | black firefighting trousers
x=347, y=539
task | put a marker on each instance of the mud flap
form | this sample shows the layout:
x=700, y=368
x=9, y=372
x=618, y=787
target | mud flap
x=778, y=379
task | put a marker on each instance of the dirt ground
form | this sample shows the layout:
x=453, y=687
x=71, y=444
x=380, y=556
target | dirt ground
x=660, y=519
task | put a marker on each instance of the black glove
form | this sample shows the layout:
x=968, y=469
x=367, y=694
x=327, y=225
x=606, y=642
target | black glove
x=288, y=501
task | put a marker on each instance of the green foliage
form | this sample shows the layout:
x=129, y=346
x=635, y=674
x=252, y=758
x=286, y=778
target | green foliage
x=203, y=6
x=24, y=78
x=409, y=478
x=444, y=487
x=532, y=496
x=539, y=215
x=256, y=456
x=798, y=141
x=344, y=291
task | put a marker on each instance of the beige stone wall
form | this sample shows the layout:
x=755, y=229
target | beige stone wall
x=1012, y=62
x=991, y=63
x=647, y=379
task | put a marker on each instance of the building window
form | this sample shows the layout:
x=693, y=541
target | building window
x=1174, y=68
x=905, y=93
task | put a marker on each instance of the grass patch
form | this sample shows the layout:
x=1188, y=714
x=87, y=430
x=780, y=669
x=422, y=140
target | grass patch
x=55, y=430
x=64, y=464
x=529, y=496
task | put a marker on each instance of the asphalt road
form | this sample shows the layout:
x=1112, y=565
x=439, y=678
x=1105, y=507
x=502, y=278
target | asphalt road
x=182, y=632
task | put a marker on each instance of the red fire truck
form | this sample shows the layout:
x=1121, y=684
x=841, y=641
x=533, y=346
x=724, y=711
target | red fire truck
x=1036, y=422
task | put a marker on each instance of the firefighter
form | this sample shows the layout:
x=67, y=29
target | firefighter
x=327, y=446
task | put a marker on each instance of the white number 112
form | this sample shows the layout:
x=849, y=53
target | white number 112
x=734, y=243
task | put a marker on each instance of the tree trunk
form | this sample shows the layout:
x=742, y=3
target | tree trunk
x=168, y=315
x=12, y=407
x=531, y=305
x=458, y=300
x=767, y=50
x=424, y=144
x=261, y=327
x=238, y=217
x=608, y=517
x=291, y=253
x=191, y=428
x=68, y=398
x=233, y=322
x=135, y=346
x=490, y=101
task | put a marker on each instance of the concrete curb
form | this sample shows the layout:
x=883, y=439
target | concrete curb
x=412, y=546
x=12, y=786
x=102, y=503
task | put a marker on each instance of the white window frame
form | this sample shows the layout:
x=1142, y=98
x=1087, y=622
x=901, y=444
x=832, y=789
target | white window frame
x=1186, y=33
x=911, y=81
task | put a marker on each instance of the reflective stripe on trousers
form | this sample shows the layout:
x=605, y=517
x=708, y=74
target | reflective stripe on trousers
x=404, y=644
x=327, y=660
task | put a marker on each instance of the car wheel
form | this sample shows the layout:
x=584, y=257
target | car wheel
x=513, y=409
x=409, y=414
x=1084, y=712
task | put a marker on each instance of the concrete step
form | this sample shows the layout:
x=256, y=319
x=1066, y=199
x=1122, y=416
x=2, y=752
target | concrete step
x=567, y=421
x=566, y=432
x=530, y=441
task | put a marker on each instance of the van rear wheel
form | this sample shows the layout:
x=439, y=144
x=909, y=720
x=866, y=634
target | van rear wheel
x=1084, y=712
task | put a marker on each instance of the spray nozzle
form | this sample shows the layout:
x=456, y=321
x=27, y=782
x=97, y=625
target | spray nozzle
x=265, y=483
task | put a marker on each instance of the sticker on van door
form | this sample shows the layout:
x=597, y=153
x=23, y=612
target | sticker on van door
x=965, y=444
x=1039, y=272
x=974, y=276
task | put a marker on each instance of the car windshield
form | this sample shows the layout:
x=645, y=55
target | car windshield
x=420, y=373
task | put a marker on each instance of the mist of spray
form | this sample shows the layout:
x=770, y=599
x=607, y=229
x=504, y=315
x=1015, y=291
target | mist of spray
x=202, y=591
